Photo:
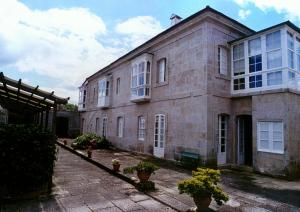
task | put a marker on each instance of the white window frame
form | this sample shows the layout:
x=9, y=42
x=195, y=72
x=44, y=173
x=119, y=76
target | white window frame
x=239, y=59
x=160, y=133
x=223, y=119
x=162, y=70
x=222, y=60
x=82, y=97
x=141, y=128
x=97, y=125
x=104, y=126
x=270, y=140
x=120, y=126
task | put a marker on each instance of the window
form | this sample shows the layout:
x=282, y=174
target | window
x=103, y=91
x=159, y=131
x=290, y=46
x=255, y=81
x=298, y=53
x=82, y=97
x=104, y=126
x=239, y=84
x=223, y=123
x=97, y=125
x=141, y=128
x=140, y=79
x=238, y=59
x=273, y=45
x=274, y=78
x=120, y=126
x=118, y=86
x=222, y=60
x=254, y=47
x=270, y=137
x=161, y=66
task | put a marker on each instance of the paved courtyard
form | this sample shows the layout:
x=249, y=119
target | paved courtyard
x=81, y=186
x=248, y=191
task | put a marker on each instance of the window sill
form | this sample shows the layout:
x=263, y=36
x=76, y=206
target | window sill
x=224, y=77
x=161, y=84
x=272, y=152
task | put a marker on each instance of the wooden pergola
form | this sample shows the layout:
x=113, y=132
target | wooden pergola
x=25, y=100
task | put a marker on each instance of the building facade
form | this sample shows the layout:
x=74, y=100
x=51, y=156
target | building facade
x=208, y=85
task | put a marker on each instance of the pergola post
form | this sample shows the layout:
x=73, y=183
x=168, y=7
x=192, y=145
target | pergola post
x=54, y=118
x=47, y=119
x=42, y=118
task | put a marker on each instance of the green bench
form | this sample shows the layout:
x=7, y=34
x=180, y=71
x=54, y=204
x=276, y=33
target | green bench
x=190, y=155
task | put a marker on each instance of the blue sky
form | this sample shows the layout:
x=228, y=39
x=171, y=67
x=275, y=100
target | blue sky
x=57, y=43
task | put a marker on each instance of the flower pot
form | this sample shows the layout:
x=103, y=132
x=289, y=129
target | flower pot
x=65, y=142
x=89, y=154
x=116, y=167
x=202, y=202
x=143, y=176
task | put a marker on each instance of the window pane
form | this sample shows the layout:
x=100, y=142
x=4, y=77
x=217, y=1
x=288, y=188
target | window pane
x=274, y=78
x=239, y=67
x=264, y=135
x=238, y=51
x=291, y=59
x=254, y=46
x=277, y=145
x=273, y=40
x=277, y=126
x=290, y=41
x=274, y=59
x=264, y=144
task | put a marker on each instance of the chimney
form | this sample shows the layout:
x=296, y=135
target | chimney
x=175, y=19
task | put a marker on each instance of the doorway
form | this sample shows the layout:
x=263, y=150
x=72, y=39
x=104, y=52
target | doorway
x=62, y=126
x=244, y=140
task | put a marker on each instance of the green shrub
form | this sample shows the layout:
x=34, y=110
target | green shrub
x=27, y=155
x=203, y=183
x=91, y=139
x=103, y=143
x=141, y=166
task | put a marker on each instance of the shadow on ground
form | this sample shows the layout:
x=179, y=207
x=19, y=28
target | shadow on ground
x=247, y=183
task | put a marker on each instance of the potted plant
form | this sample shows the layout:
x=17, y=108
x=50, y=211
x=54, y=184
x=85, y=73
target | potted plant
x=202, y=187
x=143, y=170
x=89, y=151
x=65, y=142
x=116, y=165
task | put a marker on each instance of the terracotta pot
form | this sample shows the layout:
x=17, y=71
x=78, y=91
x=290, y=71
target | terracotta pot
x=116, y=167
x=202, y=202
x=143, y=176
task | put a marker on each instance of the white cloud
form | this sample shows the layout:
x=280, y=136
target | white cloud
x=243, y=14
x=138, y=29
x=290, y=8
x=66, y=44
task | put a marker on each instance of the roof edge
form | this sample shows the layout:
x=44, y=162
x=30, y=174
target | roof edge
x=189, y=18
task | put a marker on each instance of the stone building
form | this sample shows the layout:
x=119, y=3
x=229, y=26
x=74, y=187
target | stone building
x=207, y=85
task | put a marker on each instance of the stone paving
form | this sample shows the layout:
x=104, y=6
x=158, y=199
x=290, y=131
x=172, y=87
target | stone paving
x=81, y=186
x=247, y=191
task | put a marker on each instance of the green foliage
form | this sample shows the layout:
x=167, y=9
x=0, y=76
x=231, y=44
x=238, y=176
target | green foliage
x=103, y=143
x=68, y=107
x=91, y=139
x=141, y=166
x=203, y=183
x=146, y=186
x=115, y=161
x=27, y=155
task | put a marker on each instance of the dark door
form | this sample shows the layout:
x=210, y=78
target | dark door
x=62, y=126
x=244, y=135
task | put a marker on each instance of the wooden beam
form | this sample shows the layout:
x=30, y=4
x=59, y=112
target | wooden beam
x=33, y=90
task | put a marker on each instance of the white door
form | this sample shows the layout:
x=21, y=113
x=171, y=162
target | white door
x=159, y=135
x=222, y=139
